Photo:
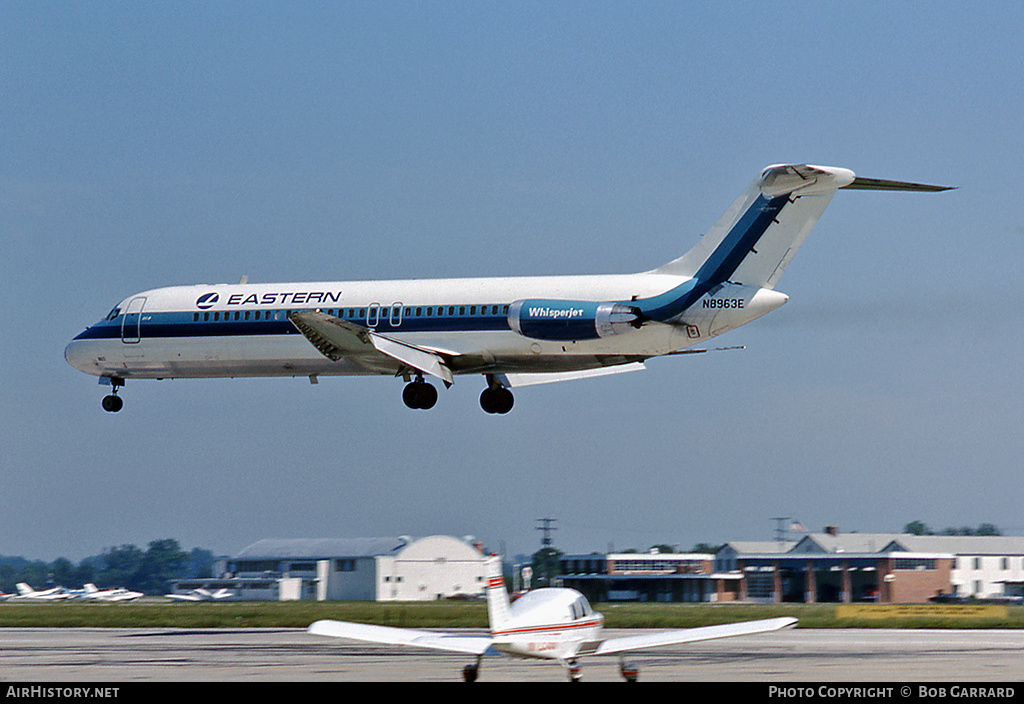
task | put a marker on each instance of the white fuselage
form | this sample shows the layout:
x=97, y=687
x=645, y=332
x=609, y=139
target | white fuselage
x=550, y=624
x=242, y=330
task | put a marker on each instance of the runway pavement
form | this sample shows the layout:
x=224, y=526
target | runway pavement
x=226, y=655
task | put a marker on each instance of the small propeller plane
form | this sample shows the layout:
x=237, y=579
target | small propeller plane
x=544, y=624
x=27, y=593
x=514, y=331
x=93, y=593
x=202, y=594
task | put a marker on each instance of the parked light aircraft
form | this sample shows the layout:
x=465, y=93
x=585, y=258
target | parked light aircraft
x=514, y=331
x=202, y=595
x=554, y=624
x=93, y=593
x=27, y=593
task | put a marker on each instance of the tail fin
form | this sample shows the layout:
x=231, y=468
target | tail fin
x=24, y=589
x=757, y=237
x=90, y=588
x=754, y=241
x=498, y=608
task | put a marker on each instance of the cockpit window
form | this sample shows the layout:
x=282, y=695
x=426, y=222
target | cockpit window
x=580, y=608
x=114, y=313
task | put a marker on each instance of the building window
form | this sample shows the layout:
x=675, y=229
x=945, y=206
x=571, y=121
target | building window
x=914, y=564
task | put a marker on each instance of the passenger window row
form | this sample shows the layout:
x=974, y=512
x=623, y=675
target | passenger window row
x=381, y=313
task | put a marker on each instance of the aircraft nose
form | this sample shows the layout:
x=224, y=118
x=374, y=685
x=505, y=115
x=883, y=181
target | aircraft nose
x=76, y=355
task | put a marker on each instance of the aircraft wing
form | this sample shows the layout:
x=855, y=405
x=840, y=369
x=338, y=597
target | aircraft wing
x=473, y=645
x=337, y=338
x=692, y=635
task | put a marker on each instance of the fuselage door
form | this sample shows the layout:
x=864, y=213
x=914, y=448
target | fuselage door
x=131, y=324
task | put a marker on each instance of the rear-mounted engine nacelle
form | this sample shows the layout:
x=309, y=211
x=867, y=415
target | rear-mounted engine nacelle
x=572, y=320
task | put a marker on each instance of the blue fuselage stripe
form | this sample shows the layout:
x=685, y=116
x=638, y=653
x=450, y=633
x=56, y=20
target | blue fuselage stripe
x=182, y=324
x=722, y=263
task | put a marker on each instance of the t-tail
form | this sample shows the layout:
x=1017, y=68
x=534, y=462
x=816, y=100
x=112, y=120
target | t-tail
x=736, y=265
x=758, y=236
x=498, y=608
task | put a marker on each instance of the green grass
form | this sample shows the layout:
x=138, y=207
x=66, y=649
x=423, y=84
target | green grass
x=437, y=614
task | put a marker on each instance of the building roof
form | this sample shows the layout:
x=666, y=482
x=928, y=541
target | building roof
x=866, y=544
x=964, y=544
x=845, y=542
x=320, y=548
x=746, y=547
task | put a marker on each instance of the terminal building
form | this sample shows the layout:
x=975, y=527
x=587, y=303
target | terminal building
x=821, y=567
x=654, y=576
x=364, y=569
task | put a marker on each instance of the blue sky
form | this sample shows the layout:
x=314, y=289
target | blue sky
x=157, y=144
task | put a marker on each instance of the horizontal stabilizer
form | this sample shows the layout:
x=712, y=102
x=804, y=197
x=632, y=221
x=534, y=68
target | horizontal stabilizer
x=878, y=184
x=693, y=635
x=386, y=635
x=690, y=350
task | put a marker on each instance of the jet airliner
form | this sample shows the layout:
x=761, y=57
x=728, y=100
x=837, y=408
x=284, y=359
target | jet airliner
x=553, y=624
x=512, y=331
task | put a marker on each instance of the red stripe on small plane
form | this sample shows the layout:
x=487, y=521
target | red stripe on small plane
x=538, y=629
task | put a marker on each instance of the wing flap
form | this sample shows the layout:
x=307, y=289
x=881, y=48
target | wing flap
x=416, y=357
x=336, y=338
x=386, y=635
x=693, y=635
x=530, y=379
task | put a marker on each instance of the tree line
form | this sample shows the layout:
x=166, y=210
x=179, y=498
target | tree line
x=147, y=571
x=919, y=528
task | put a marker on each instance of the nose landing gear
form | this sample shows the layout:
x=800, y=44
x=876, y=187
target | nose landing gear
x=113, y=403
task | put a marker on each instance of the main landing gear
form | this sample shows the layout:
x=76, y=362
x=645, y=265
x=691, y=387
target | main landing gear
x=113, y=403
x=419, y=394
x=496, y=398
x=471, y=671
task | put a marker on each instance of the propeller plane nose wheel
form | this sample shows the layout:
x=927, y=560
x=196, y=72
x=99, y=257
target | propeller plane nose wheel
x=419, y=395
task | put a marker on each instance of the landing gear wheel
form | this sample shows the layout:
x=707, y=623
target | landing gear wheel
x=496, y=399
x=419, y=395
x=469, y=673
x=112, y=403
x=629, y=671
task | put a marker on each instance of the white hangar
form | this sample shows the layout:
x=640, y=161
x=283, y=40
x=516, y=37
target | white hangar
x=360, y=569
